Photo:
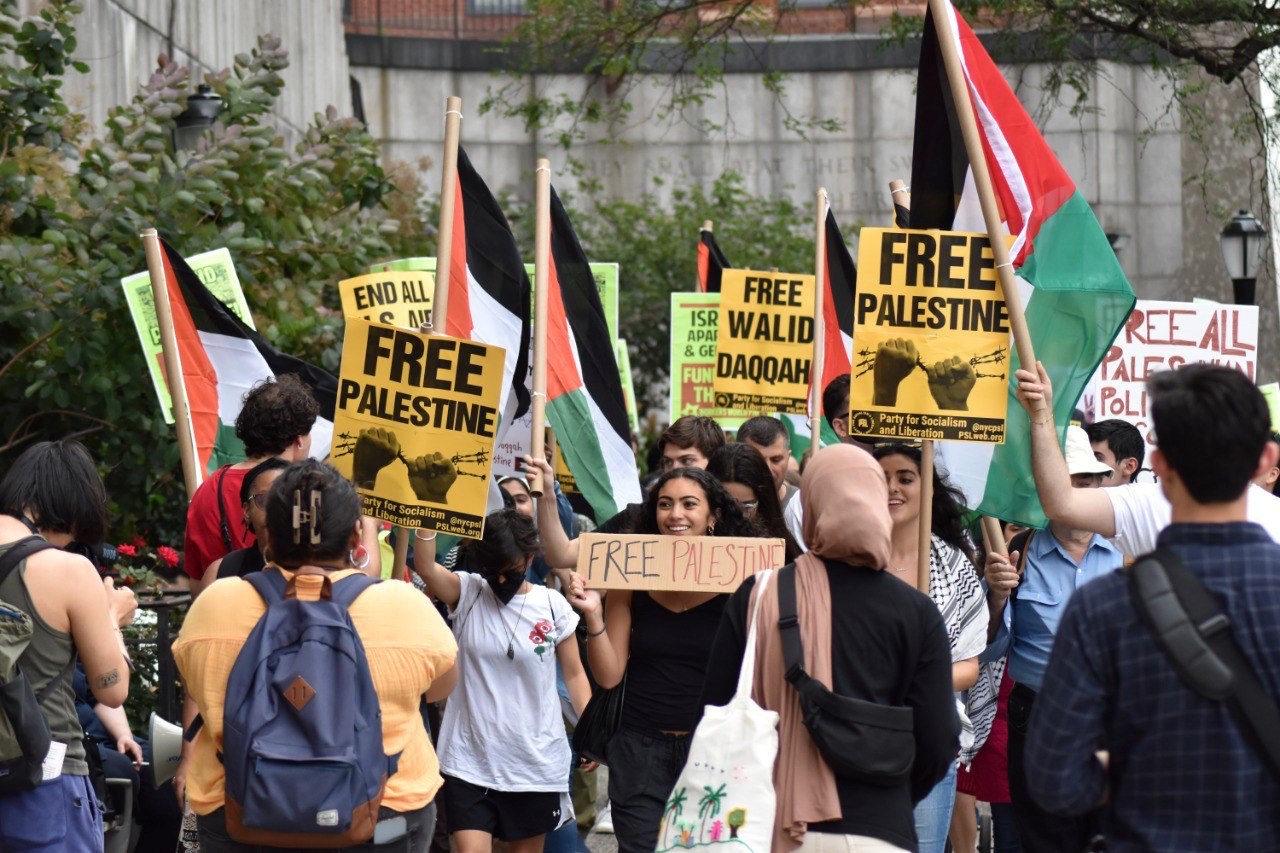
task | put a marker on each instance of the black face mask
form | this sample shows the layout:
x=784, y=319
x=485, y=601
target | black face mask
x=505, y=586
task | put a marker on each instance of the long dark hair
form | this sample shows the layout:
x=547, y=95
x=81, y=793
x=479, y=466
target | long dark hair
x=727, y=515
x=742, y=463
x=948, y=502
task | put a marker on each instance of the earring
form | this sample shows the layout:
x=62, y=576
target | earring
x=359, y=561
x=711, y=529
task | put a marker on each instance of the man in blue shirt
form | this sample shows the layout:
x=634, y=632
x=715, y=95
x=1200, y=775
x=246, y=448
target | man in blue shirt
x=1026, y=608
x=1115, y=726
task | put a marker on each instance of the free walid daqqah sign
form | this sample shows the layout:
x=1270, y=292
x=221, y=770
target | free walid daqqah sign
x=764, y=348
x=415, y=425
x=930, y=338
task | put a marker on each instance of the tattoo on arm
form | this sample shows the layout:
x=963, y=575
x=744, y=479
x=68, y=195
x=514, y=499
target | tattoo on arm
x=107, y=679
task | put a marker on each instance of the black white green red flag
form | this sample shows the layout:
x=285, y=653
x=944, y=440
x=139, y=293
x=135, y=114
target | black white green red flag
x=585, y=402
x=1076, y=296
x=711, y=263
x=222, y=359
x=488, y=286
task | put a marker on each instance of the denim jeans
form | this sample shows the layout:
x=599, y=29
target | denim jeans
x=933, y=814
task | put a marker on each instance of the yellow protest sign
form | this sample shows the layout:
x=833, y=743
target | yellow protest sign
x=397, y=298
x=415, y=424
x=930, y=338
x=765, y=343
x=674, y=563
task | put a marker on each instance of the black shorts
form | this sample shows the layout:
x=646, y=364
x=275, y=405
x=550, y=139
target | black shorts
x=506, y=815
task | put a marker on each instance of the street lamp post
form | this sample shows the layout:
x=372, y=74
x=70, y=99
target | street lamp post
x=1243, y=241
x=202, y=111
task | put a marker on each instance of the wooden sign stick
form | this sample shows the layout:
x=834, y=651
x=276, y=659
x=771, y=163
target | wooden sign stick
x=541, y=293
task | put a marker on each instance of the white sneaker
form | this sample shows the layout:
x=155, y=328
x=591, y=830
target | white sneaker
x=604, y=821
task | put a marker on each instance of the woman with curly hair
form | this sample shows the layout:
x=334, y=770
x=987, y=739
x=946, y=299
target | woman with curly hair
x=954, y=588
x=658, y=641
x=745, y=475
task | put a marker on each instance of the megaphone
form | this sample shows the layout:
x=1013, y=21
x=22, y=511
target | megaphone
x=166, y=748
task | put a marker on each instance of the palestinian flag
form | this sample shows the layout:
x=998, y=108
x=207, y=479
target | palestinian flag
x=838, y=283
x=488, y=287
x=1076, y=296
x=711, y=263
x=585, y=403
x=222, y=359
x=800, y=436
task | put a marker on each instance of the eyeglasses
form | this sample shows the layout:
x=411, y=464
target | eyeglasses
x=259, y=500
x=749, y=506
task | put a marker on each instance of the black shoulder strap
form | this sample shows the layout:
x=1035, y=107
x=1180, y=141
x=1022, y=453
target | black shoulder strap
x=224, y=523
x=789, y=625
x=1195, y=635
x=18, y=552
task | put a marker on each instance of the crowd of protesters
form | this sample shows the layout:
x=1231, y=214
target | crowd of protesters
x=1039, y=675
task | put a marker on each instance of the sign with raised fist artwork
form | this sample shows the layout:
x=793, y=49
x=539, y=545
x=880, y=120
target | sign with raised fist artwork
x=930, y=338
x=415, y=425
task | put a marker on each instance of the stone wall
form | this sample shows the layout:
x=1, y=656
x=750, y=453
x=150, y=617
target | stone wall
x=121, y=39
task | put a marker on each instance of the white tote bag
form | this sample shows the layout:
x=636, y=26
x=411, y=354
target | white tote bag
x=724, y=797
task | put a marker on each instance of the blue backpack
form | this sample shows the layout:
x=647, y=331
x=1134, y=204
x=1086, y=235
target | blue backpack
x=302, y=731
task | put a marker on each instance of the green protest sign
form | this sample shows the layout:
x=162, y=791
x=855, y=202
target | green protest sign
x=623, y=358
x=695, y=318
x=218, y=274
x=1272, y=392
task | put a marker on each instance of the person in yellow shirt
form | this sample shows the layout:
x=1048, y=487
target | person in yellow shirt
x=410, y=650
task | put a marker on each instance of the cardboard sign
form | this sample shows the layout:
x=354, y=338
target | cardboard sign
x=674, y=563
x=415, y=425
x=1164, y=336
x=396, y=298
x=930, y=338
x=764, y=345
x=218, y=273
x=695, y=319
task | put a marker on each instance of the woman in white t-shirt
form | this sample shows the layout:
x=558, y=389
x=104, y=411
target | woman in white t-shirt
x=503, y=751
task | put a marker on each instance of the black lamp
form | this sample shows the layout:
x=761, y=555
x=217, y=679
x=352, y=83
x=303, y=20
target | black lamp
x=1243, y=241
x=202, y=111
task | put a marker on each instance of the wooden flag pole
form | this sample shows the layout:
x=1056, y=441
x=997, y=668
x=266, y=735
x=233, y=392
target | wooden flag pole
x=902, y=205
x=448, y=197
x=818, y=365
x=992, y=537
x=926, y=516
x=172, y=363
x=941, y=10
x=444, y=263
x=541, y=292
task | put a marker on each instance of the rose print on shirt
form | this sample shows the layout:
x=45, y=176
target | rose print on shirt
x=543, y=637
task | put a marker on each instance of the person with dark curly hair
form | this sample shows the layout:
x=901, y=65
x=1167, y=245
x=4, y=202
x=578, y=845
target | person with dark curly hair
x=954, y=588
x=746, y=475
x=659, y=642
x=275, y=420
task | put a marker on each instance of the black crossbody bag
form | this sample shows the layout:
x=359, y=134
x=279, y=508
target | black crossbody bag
x=1195, y=636
x=860, y=740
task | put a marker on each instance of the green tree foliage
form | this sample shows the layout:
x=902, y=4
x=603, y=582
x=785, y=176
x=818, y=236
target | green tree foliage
x=654, y=239
x=296, y=219
x=688, y=42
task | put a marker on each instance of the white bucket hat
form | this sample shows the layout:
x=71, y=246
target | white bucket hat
x=1080, y=458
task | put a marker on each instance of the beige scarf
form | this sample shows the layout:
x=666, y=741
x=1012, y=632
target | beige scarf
x=846, y=519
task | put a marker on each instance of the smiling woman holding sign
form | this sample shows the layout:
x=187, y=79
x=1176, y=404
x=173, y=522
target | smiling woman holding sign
x=658, y=642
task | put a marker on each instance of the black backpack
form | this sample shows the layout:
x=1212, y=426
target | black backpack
x=24, y=733
x=1195, y=636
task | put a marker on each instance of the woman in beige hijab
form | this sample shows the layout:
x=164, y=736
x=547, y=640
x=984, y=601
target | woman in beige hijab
x=888, y=646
